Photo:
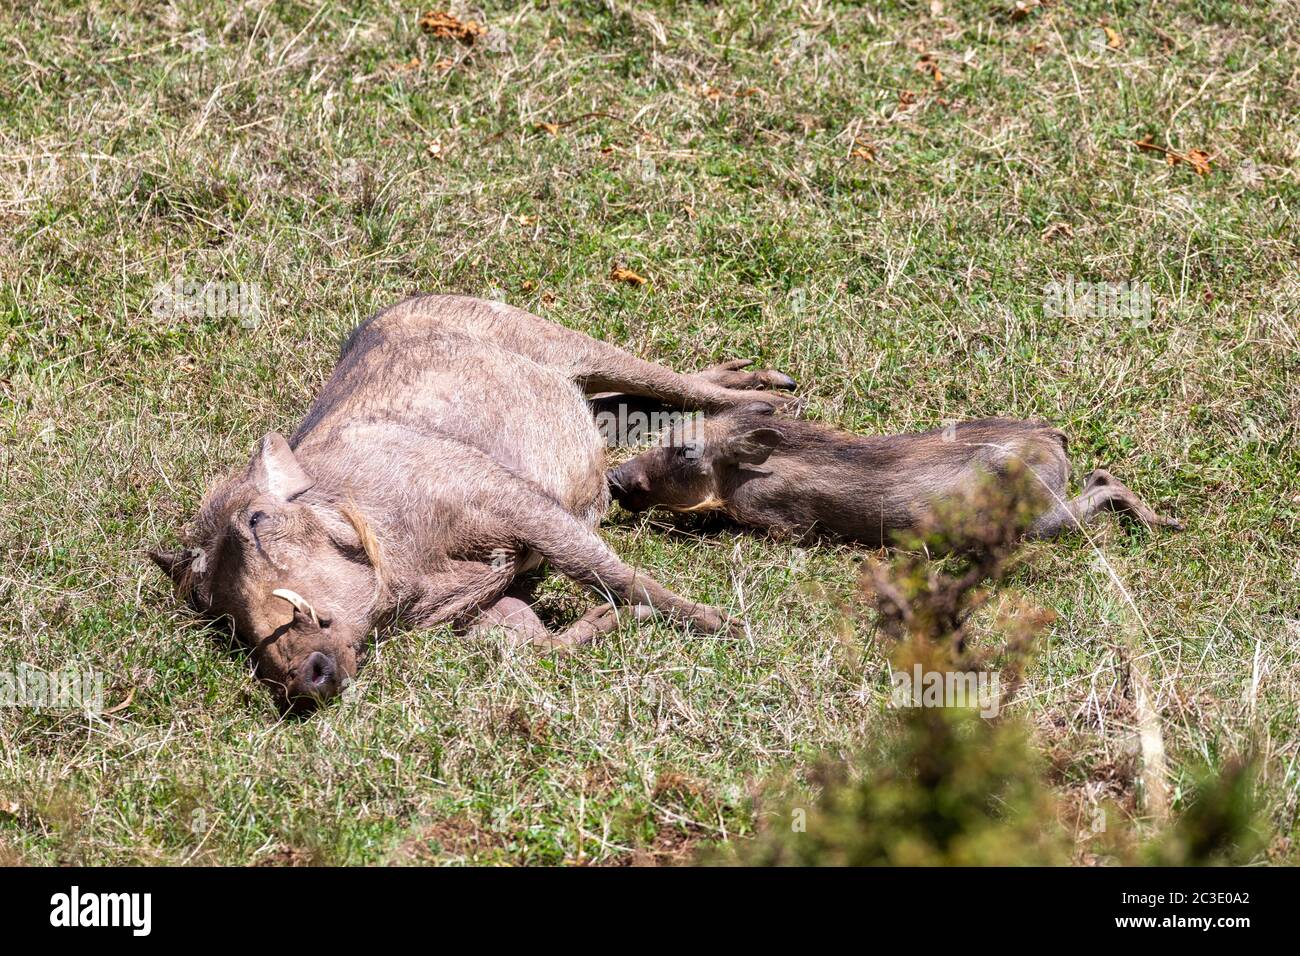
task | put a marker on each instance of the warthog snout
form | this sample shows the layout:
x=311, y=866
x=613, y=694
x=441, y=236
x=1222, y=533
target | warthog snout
x=693, y=462
x=311, y=677
x=628, y=485
x=317, y=678
x=310, y=661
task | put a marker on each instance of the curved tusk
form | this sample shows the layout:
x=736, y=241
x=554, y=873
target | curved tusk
x=299, y=602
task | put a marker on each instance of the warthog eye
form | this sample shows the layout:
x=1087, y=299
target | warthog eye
x=256, y=518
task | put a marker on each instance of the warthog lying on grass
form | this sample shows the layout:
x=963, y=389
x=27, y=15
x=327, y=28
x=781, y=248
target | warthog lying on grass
x=451, y=450
x=772, y=472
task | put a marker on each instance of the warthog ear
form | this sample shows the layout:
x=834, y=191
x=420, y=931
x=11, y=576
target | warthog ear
x=275, y=470
x=751, y=447
x=174, y=564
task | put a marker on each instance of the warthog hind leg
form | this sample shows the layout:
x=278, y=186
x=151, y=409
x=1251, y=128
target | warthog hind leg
x=1102, y=491
x=598, y=366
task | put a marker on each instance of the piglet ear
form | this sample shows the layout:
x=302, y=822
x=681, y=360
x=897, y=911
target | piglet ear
x=751, y=447
x=275, y=470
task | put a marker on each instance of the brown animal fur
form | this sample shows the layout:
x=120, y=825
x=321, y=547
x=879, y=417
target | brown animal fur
x=451, y=450
x=799, y=476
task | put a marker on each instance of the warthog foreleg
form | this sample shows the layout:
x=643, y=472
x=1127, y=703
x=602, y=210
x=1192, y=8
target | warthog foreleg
x=513, y=614
x=510, y=515
x=576, y=551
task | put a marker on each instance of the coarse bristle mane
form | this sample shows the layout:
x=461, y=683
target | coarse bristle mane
x=203, y=540
x=809, y=435
x=366, y=535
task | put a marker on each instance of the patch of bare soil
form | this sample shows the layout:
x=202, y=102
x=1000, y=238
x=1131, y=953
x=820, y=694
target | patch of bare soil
x=453, y=837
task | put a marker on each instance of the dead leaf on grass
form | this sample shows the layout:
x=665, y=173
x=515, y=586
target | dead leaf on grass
x=444, y=26
x=1198, y=159
x=1057, y=229
x=130, y=696
x=1113, y=39
x=625, y=275
x=864, y=151
x=1147, y=144
x=927, y=64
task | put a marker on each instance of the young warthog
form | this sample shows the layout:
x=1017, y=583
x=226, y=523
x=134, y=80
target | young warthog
x=779, y=473
x=451, y=450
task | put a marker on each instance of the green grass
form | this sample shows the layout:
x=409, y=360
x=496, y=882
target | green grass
x=283, y=145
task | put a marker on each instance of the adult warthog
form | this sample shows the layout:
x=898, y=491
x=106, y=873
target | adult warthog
x=451, y=450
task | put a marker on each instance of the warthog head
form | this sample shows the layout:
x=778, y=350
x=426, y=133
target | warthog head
x=695, y=462
x=294, y=571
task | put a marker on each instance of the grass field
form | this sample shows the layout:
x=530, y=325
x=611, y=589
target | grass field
x=871, y=198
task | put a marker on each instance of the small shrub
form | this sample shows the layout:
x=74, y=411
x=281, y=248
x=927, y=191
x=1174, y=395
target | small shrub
x=949, y=787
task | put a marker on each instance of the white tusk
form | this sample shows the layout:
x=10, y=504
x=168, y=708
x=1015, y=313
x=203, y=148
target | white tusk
x=298, y=601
